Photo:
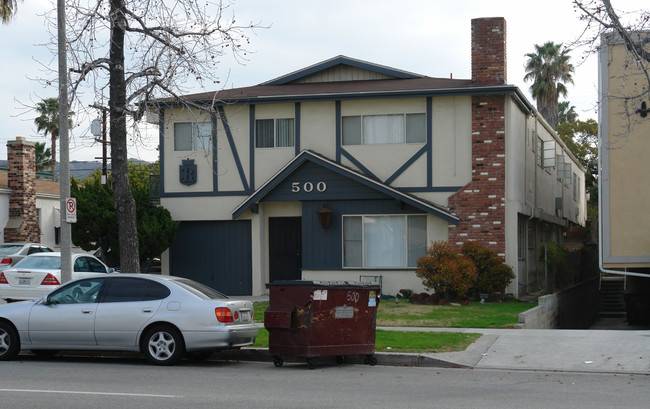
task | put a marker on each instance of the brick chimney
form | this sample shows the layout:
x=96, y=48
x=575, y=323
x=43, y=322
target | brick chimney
x=489, y=51
x=22, y=225
x=480, y=204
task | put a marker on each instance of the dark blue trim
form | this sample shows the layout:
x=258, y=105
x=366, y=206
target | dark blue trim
x=233, y=148
x=432, y=189
x=356, y=163
x=215, y=169
x=337, y=168
x=161, y=147
x=406, y=165
x=296, y=122
x=338, y=140
x=206, y=194
x=344, y=61
x=429, y=145
x=251, y=144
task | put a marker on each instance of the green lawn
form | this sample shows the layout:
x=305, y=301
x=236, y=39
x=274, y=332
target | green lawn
x=474, y=315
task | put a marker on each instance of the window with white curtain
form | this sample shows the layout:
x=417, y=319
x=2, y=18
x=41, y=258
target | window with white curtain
x=271, y=133
x=383, y=240
x=192, y=136
x=384, y=129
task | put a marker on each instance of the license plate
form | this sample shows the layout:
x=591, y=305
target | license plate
x=245, y=316
x=24, y=281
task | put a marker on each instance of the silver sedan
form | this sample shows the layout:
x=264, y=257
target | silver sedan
x=162, y=317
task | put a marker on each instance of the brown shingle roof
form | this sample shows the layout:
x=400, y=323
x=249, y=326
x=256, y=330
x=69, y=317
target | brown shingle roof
x=42, y=186
x=334, y=88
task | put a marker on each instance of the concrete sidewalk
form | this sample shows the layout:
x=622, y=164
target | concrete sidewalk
x=614, y=351
x=605, y=351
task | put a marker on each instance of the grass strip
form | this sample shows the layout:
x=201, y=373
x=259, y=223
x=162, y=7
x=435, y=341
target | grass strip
x=405, y=341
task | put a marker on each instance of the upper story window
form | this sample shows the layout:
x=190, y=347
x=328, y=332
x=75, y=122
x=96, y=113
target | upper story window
x=192, y=136
x=270, y=133
x=379, y=129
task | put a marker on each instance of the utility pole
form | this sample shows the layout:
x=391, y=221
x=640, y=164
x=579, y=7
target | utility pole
x=66, y=230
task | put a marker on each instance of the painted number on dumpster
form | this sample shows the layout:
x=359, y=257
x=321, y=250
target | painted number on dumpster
x=353, y=296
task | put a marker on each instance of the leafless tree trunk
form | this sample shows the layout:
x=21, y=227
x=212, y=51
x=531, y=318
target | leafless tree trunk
x=140, y=52
x=124, y=202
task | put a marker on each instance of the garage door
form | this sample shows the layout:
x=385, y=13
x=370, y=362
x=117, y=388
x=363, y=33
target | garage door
x=215, y=253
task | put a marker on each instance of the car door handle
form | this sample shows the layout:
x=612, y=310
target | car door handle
x=147, y=310
x=86, y=311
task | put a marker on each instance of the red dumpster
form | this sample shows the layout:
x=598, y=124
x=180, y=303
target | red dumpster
x=310, y=319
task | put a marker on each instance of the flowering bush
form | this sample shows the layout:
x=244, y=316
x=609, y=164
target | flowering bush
x=445, y=270
x=493, y=274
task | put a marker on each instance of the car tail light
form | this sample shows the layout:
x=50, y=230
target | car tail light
x=223, y=314
x=50, y=280
x=3, y=279
x=5, y=261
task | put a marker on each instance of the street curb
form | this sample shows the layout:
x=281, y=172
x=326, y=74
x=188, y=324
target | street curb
x=383, y=358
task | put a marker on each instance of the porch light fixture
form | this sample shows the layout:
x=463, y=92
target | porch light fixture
x=325, y=216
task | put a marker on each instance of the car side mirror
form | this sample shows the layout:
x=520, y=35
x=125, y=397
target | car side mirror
x=49, y=301
x=111, y=270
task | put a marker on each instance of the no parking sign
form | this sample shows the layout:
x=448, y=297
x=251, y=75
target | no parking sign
x=71, y=210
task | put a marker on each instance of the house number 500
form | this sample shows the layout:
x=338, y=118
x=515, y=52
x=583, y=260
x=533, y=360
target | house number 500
x=308, y=187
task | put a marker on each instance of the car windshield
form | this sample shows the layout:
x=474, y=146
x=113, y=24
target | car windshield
x=202, y=291
x=7, y=249
x=44, y=263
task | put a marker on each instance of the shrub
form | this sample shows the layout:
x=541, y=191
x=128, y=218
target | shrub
x=493, y=274
x=445, y=270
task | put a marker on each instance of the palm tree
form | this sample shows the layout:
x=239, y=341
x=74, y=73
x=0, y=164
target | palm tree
x=566, y=113
x=549, y=69
x=7, y=10
x=48, y=122
x=43, y=156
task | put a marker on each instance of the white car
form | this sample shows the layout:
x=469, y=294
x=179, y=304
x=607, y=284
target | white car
x=38, y=274
x=164, y=317
x=11, y=253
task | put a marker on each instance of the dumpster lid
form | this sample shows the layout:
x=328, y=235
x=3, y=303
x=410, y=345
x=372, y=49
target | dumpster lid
x=319, y=283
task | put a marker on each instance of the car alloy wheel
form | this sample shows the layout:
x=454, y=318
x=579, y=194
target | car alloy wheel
x=9, y=343
x=163, y=345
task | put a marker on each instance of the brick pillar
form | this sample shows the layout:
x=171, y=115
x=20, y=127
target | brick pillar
x=22, y=224
x=489, y=51
x=480, y=204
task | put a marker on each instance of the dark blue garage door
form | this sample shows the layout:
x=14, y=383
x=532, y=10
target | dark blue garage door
x=215, y=253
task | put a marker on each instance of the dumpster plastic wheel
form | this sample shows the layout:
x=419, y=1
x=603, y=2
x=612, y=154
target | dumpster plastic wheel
x=372, y=360
x=340, y=359
x=311, y=363
x=278, y=361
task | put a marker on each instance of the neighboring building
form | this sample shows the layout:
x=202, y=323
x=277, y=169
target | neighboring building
x=28, y=206
x=348, y=170
x=624, y=123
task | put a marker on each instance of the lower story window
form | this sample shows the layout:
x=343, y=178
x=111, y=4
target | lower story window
x=384, y=241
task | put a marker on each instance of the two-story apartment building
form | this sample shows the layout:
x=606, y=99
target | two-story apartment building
x=347, y=169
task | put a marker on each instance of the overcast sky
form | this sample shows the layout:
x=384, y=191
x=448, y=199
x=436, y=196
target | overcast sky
x=429, y=37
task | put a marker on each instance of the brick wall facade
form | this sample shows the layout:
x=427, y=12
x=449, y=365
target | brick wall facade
x=22, y=225
x=480, y=204
x=489, y=51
